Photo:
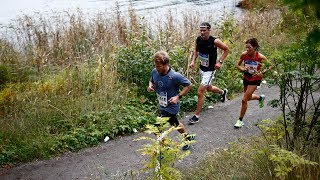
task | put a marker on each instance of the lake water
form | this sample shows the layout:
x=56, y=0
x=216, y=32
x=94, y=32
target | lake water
x=12, y=9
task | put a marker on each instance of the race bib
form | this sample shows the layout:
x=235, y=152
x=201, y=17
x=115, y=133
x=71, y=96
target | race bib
x=252, y=66
x=204, y=59
x=162, y=99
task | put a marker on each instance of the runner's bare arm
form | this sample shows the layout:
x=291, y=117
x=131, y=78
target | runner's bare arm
x=195, y=56
x=218, y=43
x=241, y=68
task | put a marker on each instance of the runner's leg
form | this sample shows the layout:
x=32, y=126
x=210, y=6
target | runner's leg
x=201, y=92
x=248, y=94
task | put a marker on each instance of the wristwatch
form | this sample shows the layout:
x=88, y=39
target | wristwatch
x=220, y=61
x=180, y=96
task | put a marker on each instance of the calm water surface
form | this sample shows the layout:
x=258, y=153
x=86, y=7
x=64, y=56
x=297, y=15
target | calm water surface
x=12, y=9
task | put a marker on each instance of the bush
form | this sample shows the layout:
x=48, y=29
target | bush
x=134, y=63
x=4, y=76
x=298, y=80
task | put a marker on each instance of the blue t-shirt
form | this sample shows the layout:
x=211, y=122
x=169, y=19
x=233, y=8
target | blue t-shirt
x=167, y=86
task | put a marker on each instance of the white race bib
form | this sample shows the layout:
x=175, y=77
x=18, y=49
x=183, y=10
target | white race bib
x=204, y=59
x=163, y=99
x=252, y=66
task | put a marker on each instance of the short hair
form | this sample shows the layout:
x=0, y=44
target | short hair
x=254, y=43
x=161, y=57
x=205, y=25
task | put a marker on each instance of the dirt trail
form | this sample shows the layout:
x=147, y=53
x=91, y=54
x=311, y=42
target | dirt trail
x=117, y=157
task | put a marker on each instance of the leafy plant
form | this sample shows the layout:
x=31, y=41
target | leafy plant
x=4, y=76
x=162, y=152
x=298, y=80
x=285, y=161
x=272, y=130
x=134, y=62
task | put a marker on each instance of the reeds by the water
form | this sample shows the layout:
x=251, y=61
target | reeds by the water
x=64, y=77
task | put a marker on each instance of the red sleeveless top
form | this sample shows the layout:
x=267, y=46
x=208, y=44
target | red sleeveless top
x=254, y=65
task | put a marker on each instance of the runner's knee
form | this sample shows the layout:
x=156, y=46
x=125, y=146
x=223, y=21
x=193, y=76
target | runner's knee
x=244, y=101
x=201, y=91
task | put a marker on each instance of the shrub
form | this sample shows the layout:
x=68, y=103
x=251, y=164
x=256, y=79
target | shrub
x=4, y=76
x=162, y=152
x=134, y=62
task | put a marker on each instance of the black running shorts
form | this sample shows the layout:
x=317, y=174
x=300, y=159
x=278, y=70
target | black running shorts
x=173, y=120
x=256, y=82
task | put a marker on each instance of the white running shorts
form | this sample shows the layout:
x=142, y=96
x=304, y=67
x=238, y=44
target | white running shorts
x=206, y=77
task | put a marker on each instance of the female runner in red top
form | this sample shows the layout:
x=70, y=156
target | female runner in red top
x=252, y=69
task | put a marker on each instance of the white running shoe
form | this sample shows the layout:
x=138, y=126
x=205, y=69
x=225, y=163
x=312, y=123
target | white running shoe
x=239, y=124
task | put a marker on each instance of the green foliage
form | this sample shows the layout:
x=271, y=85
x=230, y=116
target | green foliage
x=243, y=160
x=228, y=29
x=163, y=152
x=178, y=59
x=119, y=120
x=314, y=37
x=11, y=70
x=285, y=161
x=309, y=8
x=8, y=55
x=4, y=76
x=188, y=103
x=259, y=4
x=229, y=77
x=272, y=130
x=298, y=78
x=307, y=15
x=60, y=134
x=254, y=158
x=134, y=62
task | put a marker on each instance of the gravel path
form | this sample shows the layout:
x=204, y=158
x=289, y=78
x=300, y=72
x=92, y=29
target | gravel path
x=114, y=159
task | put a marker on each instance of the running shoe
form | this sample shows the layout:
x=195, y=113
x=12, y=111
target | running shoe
x=239, y=124
x=188, y=137
x=261, y=101
x=224, y=95
x=193, y=120
x=186, y=147
x=160, y=157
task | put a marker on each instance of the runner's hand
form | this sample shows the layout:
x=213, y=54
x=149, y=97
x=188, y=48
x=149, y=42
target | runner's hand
x=217, y=65
x=257, y=74
x=246, y=69
x=150, y=89
x=174, y=100
x=191, y=65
